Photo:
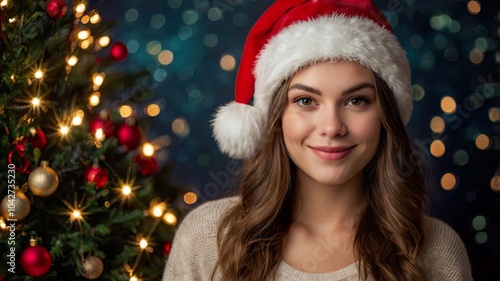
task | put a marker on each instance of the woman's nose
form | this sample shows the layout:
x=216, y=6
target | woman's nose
x=330, y=123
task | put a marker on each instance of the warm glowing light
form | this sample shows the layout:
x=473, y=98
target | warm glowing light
x=104, y=41
x=12, y=77
x=2, y=223
x=11, y=20
x=170, y=218
x=227, y=62
x=3, y=3
x=143, y=243
x=158, y=210
x=125, y=111
x=437, y=124
x=483, y=142
x=448, y=105
x=153, y=110
x=98, y=78
x=76, y=214
x=476, y=56
x=94, y=99
x=126, y=190
x=77, y=121
x=84, y=34
x=95, y=18
x=166, y=57
x=448, y=181
x=80, y=8
x=437, y=148
x=494, y=114
x=99, y=134
x=64, y=130
x=495, y=183
x=148, y=149
x=35, y=101
x=190, y=198
x=133, y=278
x=72, y=60
x=474, y=7
x=38, y=74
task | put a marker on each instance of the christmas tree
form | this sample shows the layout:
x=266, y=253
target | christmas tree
x=82, y=195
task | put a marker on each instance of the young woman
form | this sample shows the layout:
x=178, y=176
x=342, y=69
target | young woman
x=330, y=189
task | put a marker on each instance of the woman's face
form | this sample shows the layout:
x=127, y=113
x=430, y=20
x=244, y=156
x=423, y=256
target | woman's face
x=331, y=127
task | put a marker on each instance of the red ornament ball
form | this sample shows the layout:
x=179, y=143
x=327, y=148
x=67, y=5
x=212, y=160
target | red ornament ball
x=38, y=139
x=96, y=175
x=56, y=9
x=129, y=136
x=146, y=165
x=119, y=51
x=108, y=128
x=167, y=248
x=36, y=261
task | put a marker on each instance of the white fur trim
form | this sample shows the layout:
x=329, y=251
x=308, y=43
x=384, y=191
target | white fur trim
x=333, y=37
x=238, y=129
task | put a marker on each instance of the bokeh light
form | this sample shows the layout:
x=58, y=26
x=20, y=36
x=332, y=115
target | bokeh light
x=448, y=105
x=476, y=56
x=460, y=158
x=148, y=149
x=190, y=17
x=483, y=142
x=95, y=99
x=153, y=110
x=170, y=218
x=214, y=14
x=448, y=181
x=494, y=114
x=479, y=223
x=437, y=124
x=153, y=47
x=165, y=57
x=157, y=21
x=474, y=7
x=131, y=15
x=180, y=127
x=211, y=40
x=481, y=237
x=190, y=198
x=495, y=183
x=228, y=62
x=175, y=4
x=125, y=111
x=418, y=92
x=437, y=148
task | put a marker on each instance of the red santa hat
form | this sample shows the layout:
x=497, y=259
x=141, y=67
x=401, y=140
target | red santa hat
x=294, y=33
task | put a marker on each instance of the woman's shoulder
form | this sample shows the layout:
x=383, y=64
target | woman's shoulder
x=204, y=219
x=444, y=254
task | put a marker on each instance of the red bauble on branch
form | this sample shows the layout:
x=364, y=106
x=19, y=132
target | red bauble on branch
x=128, y=135
x=167, y=248
x=119, y=51
x=56, y=9
x=145, y=165
x=36, y=260
x=38, y=139
x=96, y=175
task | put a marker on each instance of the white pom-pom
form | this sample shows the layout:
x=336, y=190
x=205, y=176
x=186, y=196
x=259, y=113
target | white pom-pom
x=238, y=129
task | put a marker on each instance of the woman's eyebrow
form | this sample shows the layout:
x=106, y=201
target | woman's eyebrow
x=347, y=91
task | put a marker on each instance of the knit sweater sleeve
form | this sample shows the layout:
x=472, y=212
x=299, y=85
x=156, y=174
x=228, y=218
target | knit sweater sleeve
x=444, y=256
x=194, y=248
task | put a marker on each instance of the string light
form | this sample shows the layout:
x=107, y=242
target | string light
x=148, y=149
x=170, y=218
x=11, y=20
x=143, y=244
x=98, y=78
x=83, y=34
x=94, y=17
x=72, y=60
x=78, y=118
x=104, y=41
x=64, y=130
x=99, y=134
x=35, y=102
x=133, y=278
x=3, y=3
x=75, y=215
x=80, y=8
x=2, y=223
x=95, y=99
x=125, y=111
x=39, y=74
x=158, y=209
x=126, y=190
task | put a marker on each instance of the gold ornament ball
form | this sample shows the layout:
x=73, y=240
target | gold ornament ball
x=43, y=181
x=16, y=208
x=92, y=267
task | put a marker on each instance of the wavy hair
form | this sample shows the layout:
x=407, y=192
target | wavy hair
x=389, y=235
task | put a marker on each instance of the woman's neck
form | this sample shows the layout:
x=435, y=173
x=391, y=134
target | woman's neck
x=325, y=208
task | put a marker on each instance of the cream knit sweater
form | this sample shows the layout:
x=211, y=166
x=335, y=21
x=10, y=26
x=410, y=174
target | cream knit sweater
x=194, y=251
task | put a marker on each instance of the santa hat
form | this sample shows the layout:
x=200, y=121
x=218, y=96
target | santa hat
x=294, y=33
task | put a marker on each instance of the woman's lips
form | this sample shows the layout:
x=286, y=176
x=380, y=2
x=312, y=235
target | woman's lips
x=331, y=153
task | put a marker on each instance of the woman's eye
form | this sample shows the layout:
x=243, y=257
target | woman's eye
x=304, y=101
x=357, y=101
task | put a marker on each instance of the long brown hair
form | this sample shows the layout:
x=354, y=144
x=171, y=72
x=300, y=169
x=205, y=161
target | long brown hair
x=389, y=236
